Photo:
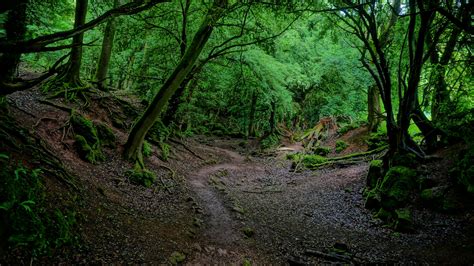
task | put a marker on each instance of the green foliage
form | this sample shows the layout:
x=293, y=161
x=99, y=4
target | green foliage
x=140, y=176
x=341, y=145
x=25, y=222
x=165, y=151
x=323, y=151
x=272, y=141
x=147, y=149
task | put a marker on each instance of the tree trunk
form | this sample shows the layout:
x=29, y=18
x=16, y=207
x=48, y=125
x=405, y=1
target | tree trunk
x=106, y=53
x=15, y=28
x=72, y=76
x=175, y=100
x=133, y=147
x=373, y=109
x=253, y=107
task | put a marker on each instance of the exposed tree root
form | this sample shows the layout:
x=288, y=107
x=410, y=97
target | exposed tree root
x=56, y=105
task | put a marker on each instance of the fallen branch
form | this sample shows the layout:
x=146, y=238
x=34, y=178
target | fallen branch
x=43, y=118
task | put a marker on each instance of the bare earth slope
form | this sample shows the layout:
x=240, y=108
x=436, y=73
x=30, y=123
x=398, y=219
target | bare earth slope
x=227, y=207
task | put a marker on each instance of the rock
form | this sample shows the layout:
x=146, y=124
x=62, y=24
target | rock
x=177, y=258
x=403, y=222
x=396, y=187
x=433, y=195
x=197, y=247
x=221, y=252
x=375, y=173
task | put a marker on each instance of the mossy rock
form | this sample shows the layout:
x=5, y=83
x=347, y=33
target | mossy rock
x=323, y=151
x=403, y=220
x=92, y=154
x=405, y=159
x=142, y=177
x=106, y=135
x=375, y=173
x=397, y=187
x=84, y=127
x=177, y=257
x=372, y=198
x=466, y=170
x=383, y=214
x=248, y=231
x=433, y=195
x=341, y=145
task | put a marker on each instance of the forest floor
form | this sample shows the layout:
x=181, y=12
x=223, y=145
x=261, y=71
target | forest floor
x=215, y=201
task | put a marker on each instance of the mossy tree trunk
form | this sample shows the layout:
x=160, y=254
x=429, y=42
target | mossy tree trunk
x=373, y=109
x=106, y=52
x=15, y=28
x=133, y=147
x=71, y=75
x=175, y=101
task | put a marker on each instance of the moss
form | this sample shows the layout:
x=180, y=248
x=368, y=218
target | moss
x=341, y=145
x=323, y=151
x=106, y=135
x=375, y=173
x=88, y=143
x=383, y=214
x=372, y=198
x=177, y=258
x=92, y=154
x=376, y=140
x=140, y=176
x=147, y=150
x=405, y=159
x=403, y=221
x=84, y=127
x=466, y=170
x=309, y=160
x=248, y=232
x=397, y=186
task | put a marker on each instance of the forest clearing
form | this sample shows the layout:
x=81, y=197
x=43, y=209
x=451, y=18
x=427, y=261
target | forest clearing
x=236, y=132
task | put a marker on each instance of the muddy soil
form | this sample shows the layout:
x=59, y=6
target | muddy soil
x=228, y=207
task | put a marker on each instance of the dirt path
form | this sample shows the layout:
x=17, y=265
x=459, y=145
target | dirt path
x=292, y=213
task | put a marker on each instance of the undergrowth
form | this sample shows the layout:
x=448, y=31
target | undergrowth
x=26, y=225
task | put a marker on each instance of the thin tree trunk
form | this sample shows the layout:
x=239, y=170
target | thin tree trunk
x=373, y=110
x=272, y=120
x=106, y=53
x=72, y=76
x=133, y=147
x=253, y=107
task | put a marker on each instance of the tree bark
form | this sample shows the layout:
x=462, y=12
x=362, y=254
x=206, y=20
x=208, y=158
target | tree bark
x=373, y=111
x=175, y=101
x=15, y=28
x=106, y=53
x=133, y=147
x=72, y=74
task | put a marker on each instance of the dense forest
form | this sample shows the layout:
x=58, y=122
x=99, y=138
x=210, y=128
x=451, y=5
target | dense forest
x=236, y=132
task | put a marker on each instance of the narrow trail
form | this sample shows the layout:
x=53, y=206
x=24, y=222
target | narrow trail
x=221, y=228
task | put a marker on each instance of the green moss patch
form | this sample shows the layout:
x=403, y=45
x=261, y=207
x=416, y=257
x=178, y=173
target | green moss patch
x=87, y=142
x=397, y=187
x=341, y=145
x=141, y=176
x=323, y=151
